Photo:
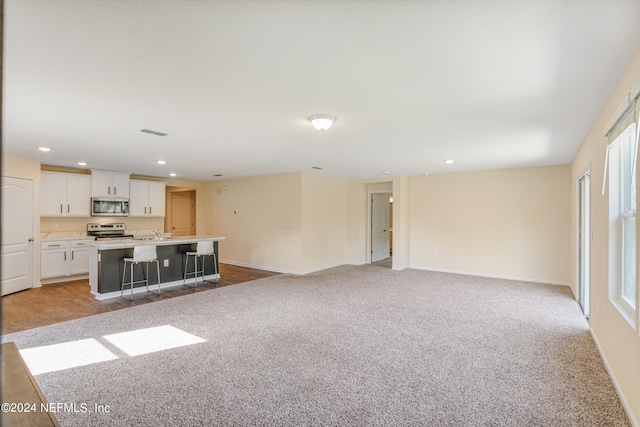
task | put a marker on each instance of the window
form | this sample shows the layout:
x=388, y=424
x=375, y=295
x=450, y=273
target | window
x=622, y=222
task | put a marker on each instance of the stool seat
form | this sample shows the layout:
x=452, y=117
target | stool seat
x=203, y=248
x=141, y=254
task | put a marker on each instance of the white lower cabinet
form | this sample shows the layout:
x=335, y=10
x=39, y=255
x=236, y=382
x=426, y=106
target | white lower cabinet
x=61, y=258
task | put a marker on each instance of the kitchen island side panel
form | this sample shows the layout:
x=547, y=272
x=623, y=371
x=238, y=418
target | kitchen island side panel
x=111, y=266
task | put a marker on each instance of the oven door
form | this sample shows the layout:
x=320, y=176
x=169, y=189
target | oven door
x=106, y=207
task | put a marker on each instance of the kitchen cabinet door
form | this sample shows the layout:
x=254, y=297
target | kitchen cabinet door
x=78, y=261
x=53, y=262
x=157, y=198
x=120, y=184
x=101, y=183
x=138, y=198
x=53, y=194
x=78, y=195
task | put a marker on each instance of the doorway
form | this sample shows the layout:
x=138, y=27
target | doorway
x=17, y=239
x=380, y=226
x=181, y=212
x=584, y=235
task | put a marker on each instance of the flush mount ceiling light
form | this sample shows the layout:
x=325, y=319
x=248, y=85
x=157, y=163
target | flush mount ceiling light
x=162, y=162
x=45, y=149
x=322, y=121
x=172, y=174
x=82, y=163
x=448, y=161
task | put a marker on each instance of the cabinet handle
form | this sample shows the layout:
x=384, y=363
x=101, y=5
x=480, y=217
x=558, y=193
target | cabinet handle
x=72, y=255
x=145, y=210
x=149, y=210
x=65, y=256
x=115, y=191
x=60, y=207
x=109, y=190
x=68, y=208
x=53, y=246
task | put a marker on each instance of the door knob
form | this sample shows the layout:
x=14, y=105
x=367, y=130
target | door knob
x=31, y=239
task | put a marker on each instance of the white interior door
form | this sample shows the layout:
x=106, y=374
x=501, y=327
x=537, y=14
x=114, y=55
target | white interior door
x=380, y=223
x=17, y=234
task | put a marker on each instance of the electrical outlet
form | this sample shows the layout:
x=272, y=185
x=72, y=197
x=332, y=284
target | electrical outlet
x=166, y=263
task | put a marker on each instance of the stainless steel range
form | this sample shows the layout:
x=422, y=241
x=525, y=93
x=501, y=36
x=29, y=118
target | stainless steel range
x=108, y=231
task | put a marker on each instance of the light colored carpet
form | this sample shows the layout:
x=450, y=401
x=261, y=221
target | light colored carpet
x=346, y=346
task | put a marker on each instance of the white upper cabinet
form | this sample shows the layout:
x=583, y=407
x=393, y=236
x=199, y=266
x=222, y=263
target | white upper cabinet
x=65, y=194
x=109, y=184
x=147, y=198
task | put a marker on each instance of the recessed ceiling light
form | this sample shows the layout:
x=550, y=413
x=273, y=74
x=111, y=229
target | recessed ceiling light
x=172, y=174
x=448, y=161
x=82, y=163
x=162, y=162
x=44, y=149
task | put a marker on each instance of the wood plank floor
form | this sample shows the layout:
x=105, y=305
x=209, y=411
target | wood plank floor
x=58, y=302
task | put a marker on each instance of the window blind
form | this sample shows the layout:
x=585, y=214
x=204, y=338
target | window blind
x=624, y=116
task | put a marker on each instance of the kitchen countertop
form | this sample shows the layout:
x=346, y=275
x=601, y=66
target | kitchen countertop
x=65, y=235
x=163, y=241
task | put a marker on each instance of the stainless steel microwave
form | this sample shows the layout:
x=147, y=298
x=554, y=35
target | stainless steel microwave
x=109, y=207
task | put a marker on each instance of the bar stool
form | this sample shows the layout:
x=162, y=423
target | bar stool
x=141, y=254
x=203, y=248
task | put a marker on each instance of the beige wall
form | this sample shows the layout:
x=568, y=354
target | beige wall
x=619, y=342
x=324, y=221
x=260, y=218
x=294, y=222
x=506, y=223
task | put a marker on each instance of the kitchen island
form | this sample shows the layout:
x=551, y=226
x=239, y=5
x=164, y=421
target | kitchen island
x=106, y=263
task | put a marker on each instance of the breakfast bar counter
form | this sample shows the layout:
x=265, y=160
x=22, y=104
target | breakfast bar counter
x=106, y=263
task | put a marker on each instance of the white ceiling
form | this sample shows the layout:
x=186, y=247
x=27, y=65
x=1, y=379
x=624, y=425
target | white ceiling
x=490, y=84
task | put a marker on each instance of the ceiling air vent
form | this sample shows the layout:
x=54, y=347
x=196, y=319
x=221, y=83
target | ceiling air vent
x=153, y=132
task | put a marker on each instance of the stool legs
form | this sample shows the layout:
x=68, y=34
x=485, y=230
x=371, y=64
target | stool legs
x=196, y=271
x=131, y=282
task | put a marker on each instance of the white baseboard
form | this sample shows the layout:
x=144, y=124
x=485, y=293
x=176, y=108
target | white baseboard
x=625, y=403
x=63, y=279
x=493, y=276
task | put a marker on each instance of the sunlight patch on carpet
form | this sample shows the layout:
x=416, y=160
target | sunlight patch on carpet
x=56, y=357
x=149, y=340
